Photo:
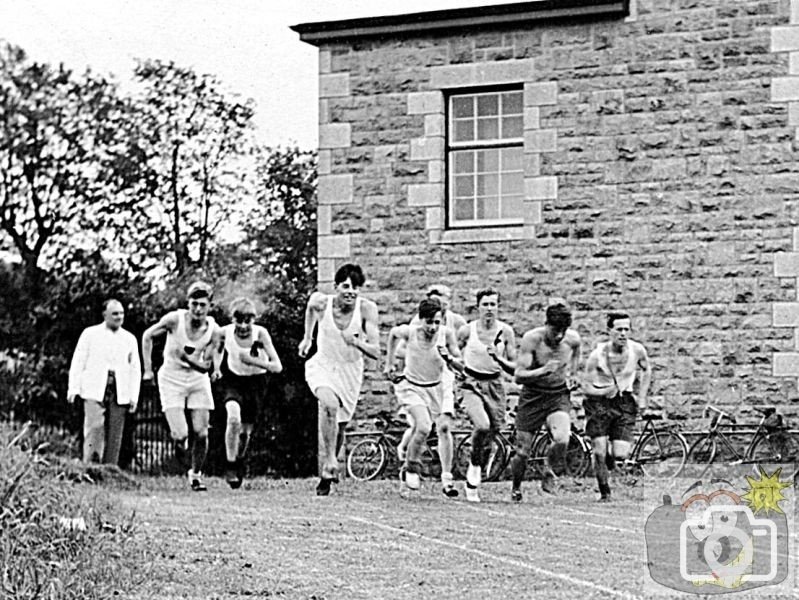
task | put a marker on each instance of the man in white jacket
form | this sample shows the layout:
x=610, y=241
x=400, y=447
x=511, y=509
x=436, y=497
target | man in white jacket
x=106, y=373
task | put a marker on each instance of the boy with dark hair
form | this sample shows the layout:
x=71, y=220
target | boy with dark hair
x=347, y=331
x=546, y=369
x=610, y=404
x=428, y=348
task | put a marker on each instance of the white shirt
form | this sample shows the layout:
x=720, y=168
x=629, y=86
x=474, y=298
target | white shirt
x=100, y=350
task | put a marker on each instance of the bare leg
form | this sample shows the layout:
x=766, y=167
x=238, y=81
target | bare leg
x=559, y=425
x=445, y=444
x=328, y=432
x=518, y=465
x=232, y=431
x=600, y=447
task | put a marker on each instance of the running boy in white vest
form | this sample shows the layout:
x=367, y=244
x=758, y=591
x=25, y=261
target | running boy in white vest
x=429, y=348
x=347, y=331
x=610, y=405
x=183, y=381
x=250, y=356
x=489, y=349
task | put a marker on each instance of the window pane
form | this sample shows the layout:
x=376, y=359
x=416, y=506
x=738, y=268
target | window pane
x=487, y=208
x=463, y=106
x=487, y=105
x=464, y=131
x=488, y=129
x=512, y=127
x=464, y=186
x=512, y=103
x=511, y=159
x=512, y=184
x=464, y=209
x=488, y=161
x=464, y=161
x=487, y=185
x=512, y=207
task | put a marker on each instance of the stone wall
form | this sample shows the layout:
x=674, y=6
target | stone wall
x=661, y=174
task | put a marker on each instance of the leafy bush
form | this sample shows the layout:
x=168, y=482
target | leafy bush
x=59, y=540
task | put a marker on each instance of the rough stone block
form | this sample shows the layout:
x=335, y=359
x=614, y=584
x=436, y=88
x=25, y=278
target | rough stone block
x=335, y=135
x=785, y=39
x=540, y=140
x=786, y=264
x=425, y=194
x=784, y=89
x=796, y=238
x=532, y=164
x=333, y=246
x=324, y=112
x=324, y=214
x=785, y=314
x=425, y=103
x=786, y=364
x=427, y=148
x=540, y=94
x=334, y=85
x=335, y=189
x=793, y=63
x=541, y=188
x=795, y=12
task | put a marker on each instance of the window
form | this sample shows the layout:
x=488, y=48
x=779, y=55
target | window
x=485, y=136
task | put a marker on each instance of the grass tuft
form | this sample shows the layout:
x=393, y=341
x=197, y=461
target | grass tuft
x=59, y=540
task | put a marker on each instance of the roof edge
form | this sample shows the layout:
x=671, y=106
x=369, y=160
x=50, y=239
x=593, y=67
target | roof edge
x=458, y=19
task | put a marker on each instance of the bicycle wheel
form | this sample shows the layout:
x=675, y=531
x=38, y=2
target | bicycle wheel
x=495, y=464
x=779, y=447
x=577, y=461
x=661, y=454
x=366, y=460
x=702, y=453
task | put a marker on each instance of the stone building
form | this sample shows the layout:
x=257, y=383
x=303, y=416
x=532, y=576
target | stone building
x=623, y=154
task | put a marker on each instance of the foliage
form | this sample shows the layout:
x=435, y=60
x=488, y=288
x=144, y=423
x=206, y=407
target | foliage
x=59, y=540
x=196, y=140
x=67, y=158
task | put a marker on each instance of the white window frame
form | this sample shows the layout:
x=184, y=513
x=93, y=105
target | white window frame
x=499, y=143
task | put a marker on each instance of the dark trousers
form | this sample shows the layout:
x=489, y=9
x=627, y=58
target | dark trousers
x=103, y=425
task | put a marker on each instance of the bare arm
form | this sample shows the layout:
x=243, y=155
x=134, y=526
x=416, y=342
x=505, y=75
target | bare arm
x=272, y=362
x=314, y=308
x=507, y=359
x=397, y=333
x=370, y=346
x=574, y=363
x=167, y=323
x=135, y=373
x=452, y=354
x=218, y=352
x=646, y=378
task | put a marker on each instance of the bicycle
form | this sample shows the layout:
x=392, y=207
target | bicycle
x=658, y=451
x=771, y=443
x=502, y=447
x=370, y=457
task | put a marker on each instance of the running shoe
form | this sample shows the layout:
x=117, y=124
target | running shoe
x=450, y=491
x=323, y=487
x=473, y=475
x=471, y=494
x=413, y=481
x=548, y=483
x=196, y=482
x=516, y=495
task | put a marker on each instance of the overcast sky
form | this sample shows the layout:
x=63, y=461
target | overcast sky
x=246, y=43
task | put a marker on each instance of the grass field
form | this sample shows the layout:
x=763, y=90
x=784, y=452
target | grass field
x=276, y=539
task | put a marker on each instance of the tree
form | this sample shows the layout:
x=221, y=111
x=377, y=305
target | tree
x=66, y=158
x=196, y=140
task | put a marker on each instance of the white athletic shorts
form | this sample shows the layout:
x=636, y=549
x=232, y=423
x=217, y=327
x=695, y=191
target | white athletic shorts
x=410, y=395
x=190, y=390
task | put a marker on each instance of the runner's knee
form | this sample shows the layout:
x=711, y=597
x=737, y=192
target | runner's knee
x=233, y=413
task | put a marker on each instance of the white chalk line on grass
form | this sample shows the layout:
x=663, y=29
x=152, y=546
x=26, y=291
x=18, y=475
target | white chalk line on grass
x=550, y=520
x=497, y=557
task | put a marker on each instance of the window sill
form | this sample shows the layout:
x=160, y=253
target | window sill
x=482, y=234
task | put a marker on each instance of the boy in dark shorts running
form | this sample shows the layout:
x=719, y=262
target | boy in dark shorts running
x=610, y=405
x=250, y=355
x=546, y=368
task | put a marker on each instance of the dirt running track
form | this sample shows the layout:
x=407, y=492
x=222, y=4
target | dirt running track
x=278, y=540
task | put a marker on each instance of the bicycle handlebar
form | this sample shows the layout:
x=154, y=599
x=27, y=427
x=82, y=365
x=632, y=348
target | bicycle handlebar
x=720, y=414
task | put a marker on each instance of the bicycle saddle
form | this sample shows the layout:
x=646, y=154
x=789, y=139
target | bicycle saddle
x=766, y=411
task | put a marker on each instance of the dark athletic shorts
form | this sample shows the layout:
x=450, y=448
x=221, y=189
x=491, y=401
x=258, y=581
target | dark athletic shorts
x=536, y=404
x=488, y=393
x=611, y=417
x=246, y=390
